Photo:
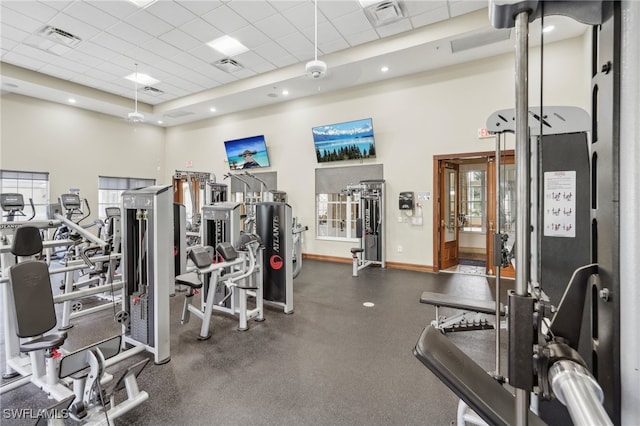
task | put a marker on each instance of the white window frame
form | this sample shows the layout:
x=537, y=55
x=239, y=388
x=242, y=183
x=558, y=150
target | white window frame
x=110, y=189
x=32, y=185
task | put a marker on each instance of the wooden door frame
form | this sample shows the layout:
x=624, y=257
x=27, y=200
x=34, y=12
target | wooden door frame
x=437, y=159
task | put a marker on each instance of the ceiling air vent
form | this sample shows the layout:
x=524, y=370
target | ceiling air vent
x=228, y=65
x=149, y=90
x=60, y=36
x=384, y=13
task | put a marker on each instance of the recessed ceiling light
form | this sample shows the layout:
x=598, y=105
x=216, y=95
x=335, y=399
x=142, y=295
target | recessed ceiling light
x=285, y=92
x=160, y=121
x=143, y=3
x=143, y=79
x=212, y=109
x=228, y=46
x=384, y=69
x=72, y=101
x=548, y=28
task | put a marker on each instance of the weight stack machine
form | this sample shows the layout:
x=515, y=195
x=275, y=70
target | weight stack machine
x=147, y=251
x=220, y=224
x=274, y=226
x=371, y=223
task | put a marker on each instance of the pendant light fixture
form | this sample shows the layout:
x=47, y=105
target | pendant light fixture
x=316, y=69
x=136, y=116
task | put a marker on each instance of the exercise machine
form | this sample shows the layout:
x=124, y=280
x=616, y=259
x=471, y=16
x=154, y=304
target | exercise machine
x=147, y=269
x=370, y=225
x=238, y=269
x=274, y=227
x=32, y=314
x=574, y=352
x=13, y=205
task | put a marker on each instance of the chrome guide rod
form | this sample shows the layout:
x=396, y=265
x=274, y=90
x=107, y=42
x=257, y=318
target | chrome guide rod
x=522, y=180
x=498, y=229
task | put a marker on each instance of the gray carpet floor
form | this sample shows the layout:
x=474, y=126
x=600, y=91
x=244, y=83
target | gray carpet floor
x=332, y=362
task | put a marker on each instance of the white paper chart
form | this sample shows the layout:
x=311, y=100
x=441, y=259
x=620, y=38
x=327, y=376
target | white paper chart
x=560, y=204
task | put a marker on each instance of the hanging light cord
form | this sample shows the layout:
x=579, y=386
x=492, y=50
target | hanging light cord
x=136, y=93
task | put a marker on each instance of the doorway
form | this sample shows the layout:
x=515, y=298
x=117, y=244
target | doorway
x=465, y=211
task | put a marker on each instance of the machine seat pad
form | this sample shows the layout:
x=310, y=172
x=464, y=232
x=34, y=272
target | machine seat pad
x=492, y=402
x=449, y=301
x=48, y=341
x=190, y=279
x=356, y=250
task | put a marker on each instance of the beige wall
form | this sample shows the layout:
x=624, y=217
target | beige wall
x=415, y=118
x=76, y=146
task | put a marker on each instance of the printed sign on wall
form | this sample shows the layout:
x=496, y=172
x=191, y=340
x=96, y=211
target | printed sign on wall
x=560, y=204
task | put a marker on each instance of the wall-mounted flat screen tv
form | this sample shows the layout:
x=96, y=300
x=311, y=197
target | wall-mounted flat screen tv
x=247, y=153
x=351, y=140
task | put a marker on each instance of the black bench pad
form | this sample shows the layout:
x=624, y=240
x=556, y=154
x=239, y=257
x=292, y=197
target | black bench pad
x=357, y=250
x=492, y=402
x=448, y=301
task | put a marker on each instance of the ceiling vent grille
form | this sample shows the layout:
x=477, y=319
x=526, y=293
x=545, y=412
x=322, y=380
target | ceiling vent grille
x=476, y=40
x=60, y=36
x=151, y=91
x=384, y=13
x=228, y=65
x=178, y=114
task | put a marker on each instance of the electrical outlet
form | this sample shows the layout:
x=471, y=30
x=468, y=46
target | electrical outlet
x=399, y=249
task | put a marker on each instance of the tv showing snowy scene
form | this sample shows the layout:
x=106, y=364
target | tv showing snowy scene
x=351, y=140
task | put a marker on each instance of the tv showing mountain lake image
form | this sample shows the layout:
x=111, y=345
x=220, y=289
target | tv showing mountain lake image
x=351, y=140
x=247, y=153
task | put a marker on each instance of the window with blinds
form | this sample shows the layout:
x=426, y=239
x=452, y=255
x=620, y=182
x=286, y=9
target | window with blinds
x=32, y=185
x=110, y=190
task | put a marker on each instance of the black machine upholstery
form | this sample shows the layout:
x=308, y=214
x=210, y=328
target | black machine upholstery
x=191, y=279
x=201, y=256
x=448, y=301
x=26, y=241
x=33, y=298
x=355, y=250
x=490, y=400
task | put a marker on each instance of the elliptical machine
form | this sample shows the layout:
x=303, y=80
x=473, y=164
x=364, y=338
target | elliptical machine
x=13, y=204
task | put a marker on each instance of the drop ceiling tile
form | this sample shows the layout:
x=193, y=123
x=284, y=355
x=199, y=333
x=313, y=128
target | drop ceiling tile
x=35, y=10
x=180, y=39
x=161, y=48
x=96, y=50
x=296, y=45
x=188, y=60
x=394, y=28
x=119, y=9
x=201, y=30
x=282, y=5
x=12, y=33
x=352, y=23
x=129, y=33
x=34, y=53
x=263, y=67
x=7, y=44
x=101, y=76
x=249, y=36
x=225, y=19
x=271, y=51
x=83, y=58
x=333, y=46
x=142, y=55
x=62, y=73
x=148, y=23
x=460, y=7
x=171, y=12
x=416, y=7
x=74, y=26
x=326, y=33
x=23, y=61
x=221, y=76
x=85, y=80
x=275, y=26
x=362, y=37
x=172, y=89
x=118, y=90
x=76, y=67
x=200, y=7
x=430, y=17
x=336, y=9
x=85, y=12
x=252, y=11
x=303, y=16
x=244, y=73
x=56, y=4
x=113, y=43
x=115, y=69
x=284, y=61
x=250, y=59
x=19, y=20
x=206, y=54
